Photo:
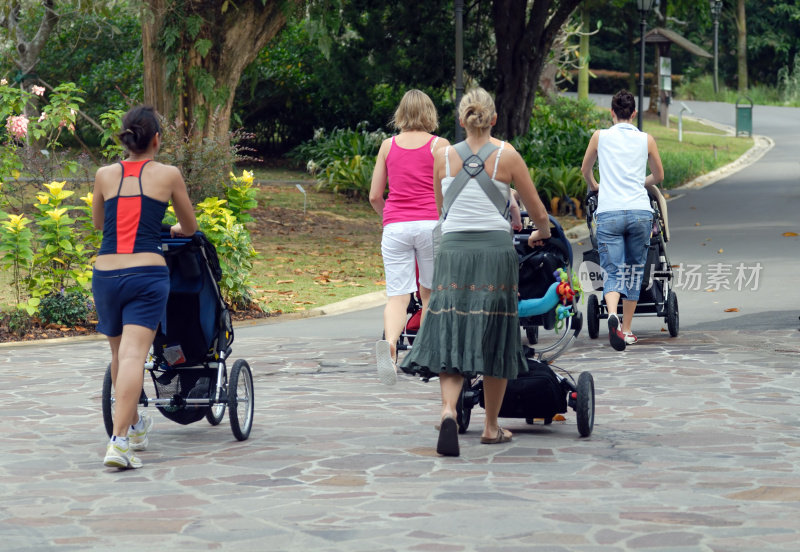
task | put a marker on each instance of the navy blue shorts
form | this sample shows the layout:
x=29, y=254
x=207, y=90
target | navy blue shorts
x=135, y=295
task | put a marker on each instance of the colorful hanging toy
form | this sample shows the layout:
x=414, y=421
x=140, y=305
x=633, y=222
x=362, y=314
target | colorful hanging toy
x=566, y=292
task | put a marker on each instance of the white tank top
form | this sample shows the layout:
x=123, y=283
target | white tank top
x=472, y=209
x=622, y=156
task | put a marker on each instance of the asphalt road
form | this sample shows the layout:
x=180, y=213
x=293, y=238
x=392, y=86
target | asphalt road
x=729, y=236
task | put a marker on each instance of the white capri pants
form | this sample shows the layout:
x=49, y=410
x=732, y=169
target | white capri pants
x=406, y=246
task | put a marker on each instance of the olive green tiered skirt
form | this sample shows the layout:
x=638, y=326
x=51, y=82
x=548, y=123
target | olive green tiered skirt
x=472, y=325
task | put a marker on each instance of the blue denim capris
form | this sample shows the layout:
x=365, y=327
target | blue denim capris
x=135, y=295
x=623, y=238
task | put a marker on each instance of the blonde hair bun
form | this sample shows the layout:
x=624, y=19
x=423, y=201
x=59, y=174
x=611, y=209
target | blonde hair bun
x=476, y=110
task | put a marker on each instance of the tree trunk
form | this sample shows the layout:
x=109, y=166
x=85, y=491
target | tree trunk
x=193, y=82
x=523, y=43
x=28, y=51
x=583, y=69
x=741, y=45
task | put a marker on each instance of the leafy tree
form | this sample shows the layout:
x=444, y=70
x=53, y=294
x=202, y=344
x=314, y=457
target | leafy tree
x=195, y=53
x=27, y=48
x=29, y=24
x=772, y=43
x=524, y=33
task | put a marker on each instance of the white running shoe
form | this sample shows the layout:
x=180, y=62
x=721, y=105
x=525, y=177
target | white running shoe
x=630, y=338
x=138, y=438
x=387, y=372
x=119, y=457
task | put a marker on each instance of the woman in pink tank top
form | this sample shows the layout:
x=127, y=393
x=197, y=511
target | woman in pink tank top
x=409, y=213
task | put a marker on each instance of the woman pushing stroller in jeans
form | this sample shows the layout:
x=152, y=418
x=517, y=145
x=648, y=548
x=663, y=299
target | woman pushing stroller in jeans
x=624, y=214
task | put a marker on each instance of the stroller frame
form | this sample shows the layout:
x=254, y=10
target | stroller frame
x=204, y=372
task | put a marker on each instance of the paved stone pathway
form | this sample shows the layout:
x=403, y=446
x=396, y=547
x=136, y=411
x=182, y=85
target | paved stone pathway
x=696, y=447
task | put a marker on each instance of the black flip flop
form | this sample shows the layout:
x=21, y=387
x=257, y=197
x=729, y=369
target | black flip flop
x=448, y=438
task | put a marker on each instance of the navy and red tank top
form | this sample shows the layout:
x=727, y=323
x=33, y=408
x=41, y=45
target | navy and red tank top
x=132, y=224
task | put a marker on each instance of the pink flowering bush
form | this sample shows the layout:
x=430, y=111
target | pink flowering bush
x=17, y=126
x=30, y=144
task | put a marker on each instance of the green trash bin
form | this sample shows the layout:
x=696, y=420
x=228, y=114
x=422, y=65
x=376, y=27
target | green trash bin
x=744, y=117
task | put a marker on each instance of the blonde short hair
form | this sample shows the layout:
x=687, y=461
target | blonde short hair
x=415, y=112
x=476, y=110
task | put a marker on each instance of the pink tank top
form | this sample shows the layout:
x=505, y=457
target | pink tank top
x=410, y=174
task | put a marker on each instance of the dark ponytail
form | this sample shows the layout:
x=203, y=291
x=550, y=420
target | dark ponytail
x=139, y=125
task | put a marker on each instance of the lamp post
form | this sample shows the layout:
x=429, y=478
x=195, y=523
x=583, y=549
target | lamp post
x=459, y=15
x=716, y=8
x=644, y=7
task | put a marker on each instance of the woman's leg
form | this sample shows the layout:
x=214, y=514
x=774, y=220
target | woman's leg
x=494, y=389
x=394, y=320
x=639, y=226
x=450, y=385
x=425, y=296
x=628, y=308
x=130, y=354
x=612, y=301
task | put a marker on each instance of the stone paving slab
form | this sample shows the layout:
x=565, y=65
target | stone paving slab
x=696, y=447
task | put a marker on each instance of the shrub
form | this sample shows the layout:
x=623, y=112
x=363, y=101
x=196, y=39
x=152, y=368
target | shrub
x=342, y=160
x=205, y=163
x=18, y=321
x=789, y=82
x=560, y=130
x=65, y=308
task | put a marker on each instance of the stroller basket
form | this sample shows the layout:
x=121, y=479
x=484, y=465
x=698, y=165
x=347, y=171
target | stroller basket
x=185, y=384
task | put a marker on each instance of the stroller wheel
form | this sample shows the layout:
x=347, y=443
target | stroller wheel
x=108, y=403
x=464, y=406
x=672, y=314
x=584, y=407
x=593, y=317
x=240, y=400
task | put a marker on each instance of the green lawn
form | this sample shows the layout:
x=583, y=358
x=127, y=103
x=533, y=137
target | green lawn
x=702, y=150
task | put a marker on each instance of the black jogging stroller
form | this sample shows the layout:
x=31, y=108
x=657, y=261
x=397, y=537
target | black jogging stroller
x=546, y=390
x=187, y=362
x=656, y=298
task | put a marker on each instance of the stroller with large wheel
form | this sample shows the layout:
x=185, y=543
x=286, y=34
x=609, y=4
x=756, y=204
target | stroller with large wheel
x=546, y=390
x=656, y=298
x=187, y=362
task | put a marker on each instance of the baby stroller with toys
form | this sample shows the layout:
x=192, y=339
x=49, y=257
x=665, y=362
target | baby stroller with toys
x=187, y=362
x=548, y=298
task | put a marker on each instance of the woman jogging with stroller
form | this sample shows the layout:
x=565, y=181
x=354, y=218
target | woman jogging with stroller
x=624, y=214
x=472, y=324
x=130, y=281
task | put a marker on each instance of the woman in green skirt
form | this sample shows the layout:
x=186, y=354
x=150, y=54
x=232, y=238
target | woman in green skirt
x=472, y=325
